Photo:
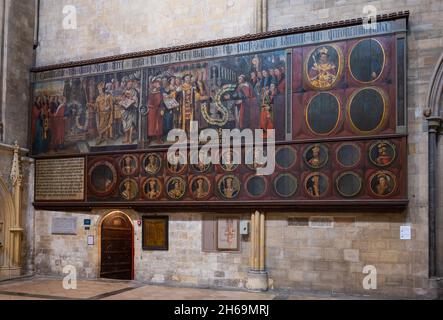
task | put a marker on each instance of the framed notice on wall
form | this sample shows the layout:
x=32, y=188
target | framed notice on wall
x=156, y=233
x=228, y=234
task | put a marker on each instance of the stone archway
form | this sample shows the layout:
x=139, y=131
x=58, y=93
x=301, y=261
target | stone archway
x=6, y=214
x=434, y=114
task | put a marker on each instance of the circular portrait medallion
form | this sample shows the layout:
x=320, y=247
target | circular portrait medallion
x=258, y=157
x=382, y=153
x=152, y=163
x=286, y=185
x=323, y=113
x=367, y=60
x=316, y=156
x=152, y=189
x=176, y=188
x=201, y=167
x=177, y=163
x=227, y=161
x=316, y=185
x=200, y=187
x=383, y=183
x=348, y=155
x=229, y=187
x=286, y=157
x=324, y=67
x=367, y=110
x=103, y=178
x=128, y=165
x=256, y=186
x=349, y=184
x=128, y=189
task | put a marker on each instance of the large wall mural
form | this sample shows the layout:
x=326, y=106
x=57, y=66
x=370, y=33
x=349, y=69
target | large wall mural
x=334, y=100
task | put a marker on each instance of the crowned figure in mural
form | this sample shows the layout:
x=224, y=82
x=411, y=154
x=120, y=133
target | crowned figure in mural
x=313, y=186
x=188, y=95
x=323, y=72
x=152, y=189
x=104, y=111
x=383, y=157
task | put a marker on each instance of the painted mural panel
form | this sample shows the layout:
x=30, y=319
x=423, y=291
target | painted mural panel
x=89, y=114
x=235, y=93
x=333, y=105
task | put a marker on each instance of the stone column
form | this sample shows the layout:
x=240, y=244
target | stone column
x=434, y=124
x=257, y=276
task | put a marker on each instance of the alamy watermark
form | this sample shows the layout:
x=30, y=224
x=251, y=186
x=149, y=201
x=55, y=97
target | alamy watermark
x=204, y=147
x=69, y=17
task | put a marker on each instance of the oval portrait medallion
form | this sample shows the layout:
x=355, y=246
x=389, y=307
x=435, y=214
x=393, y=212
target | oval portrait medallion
x=383, y=183
x=201, y=167
x=128, y=165
x=285, y=185
x=367, y=110
x=258, y=157
x=152, y=163
x=200, y=187
x=348, y=155
x=286, y=157
x=316, y=184
x=103, y=178
x=152, y=189
x=367, y=60
x=176, y=188
x=349, y=184
x=128, y=189
x=228, y=160
x=316, y=156
x=324, y=67
x=323, y=113
x=382, y=153
x=229, y=187
x=177, y=163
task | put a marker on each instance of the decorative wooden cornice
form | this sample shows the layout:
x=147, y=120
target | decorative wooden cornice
x=247, y=37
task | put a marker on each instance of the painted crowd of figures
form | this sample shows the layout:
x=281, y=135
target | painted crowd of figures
x=90, y=110
x=248, y=96
x=80, y=114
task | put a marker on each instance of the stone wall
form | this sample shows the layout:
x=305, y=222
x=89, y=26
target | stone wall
x=425, y=45
x=54, y=252
x=331, y=259
x=183, y=264
x=110, y=27
x=299, y=258
x=17, y=35
x=19, y=58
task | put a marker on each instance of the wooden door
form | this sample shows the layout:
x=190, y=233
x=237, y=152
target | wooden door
x=117, y=247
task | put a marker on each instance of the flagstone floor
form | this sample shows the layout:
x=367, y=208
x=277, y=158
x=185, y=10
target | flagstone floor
x=52, y=289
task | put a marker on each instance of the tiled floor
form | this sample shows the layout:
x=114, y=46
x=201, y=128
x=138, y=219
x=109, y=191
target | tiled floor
x=52, y=289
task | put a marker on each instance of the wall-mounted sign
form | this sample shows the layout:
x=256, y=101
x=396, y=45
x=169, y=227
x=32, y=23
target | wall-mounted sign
x=59, y=179
x=64, y=226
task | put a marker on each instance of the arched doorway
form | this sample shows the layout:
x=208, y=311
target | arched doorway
x=117, y=247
